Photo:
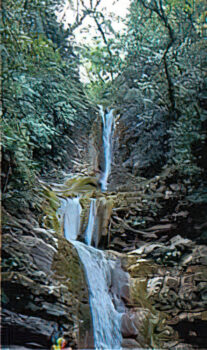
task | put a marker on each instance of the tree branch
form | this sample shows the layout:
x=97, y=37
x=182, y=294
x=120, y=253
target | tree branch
x=158, y=9
x=105, y=41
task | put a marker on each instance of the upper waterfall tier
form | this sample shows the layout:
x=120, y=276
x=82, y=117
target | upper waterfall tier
x=108, y=128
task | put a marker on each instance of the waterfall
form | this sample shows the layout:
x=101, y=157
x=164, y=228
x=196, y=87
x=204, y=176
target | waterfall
x=106, y=319
x=106, y=313
x=108, y=127
x=91, y=222
x=70, y=210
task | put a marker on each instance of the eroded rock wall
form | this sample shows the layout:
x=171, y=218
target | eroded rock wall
x=168, y=304
x=159, y=229
x=44, y=292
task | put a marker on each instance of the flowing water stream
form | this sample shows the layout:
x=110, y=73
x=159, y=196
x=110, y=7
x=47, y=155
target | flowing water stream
x=91, y=222
x=106, y=305
x=108, y=128
x=106, y=319
x=71, y=210
x=106, y=312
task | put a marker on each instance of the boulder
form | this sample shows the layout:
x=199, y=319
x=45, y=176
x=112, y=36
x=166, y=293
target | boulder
x=130, y=344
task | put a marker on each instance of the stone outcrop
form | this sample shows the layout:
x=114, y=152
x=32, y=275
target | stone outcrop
x=159, y=231
x=44, y=292
x=172, y=296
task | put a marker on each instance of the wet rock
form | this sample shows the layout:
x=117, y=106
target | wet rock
x=120, y=283
x=184, y=346
x=128, y=328
x=141, y=267
x=136, y=151
x=130, y=344
x=172, y=282
x=138, y=324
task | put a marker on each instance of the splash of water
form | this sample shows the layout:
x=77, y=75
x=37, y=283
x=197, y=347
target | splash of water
x=108, y=128
x=70, y=212
x=106, y=319
x=91, y=222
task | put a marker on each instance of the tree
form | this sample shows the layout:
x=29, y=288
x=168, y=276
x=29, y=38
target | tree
x=43, y=99
x=166, y=55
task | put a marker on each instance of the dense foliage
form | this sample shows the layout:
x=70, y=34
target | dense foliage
x=158, y=71
x=165, y=45
x=43, y=101
x=156, y=67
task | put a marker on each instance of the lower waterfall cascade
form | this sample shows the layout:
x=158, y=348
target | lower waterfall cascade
x=106, y=306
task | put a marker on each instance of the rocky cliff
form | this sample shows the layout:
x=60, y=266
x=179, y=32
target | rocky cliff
x=158, y=226
x=152, y=218
x=44, y=292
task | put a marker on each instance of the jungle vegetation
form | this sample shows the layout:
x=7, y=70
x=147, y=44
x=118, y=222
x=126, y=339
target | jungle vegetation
x=45, y=103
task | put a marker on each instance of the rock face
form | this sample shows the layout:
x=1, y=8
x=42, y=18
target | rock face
x=171, y=299
x=43, y=288
x=139, y=147
x=160, y=238
x=155, y=224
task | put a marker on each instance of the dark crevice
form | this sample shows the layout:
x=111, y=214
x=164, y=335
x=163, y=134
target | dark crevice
x=193, y=333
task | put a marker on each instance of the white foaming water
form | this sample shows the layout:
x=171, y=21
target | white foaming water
x=71, y=210
x=106, y=319
x=108, y=127
x=98, y=270
x=91, y=222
